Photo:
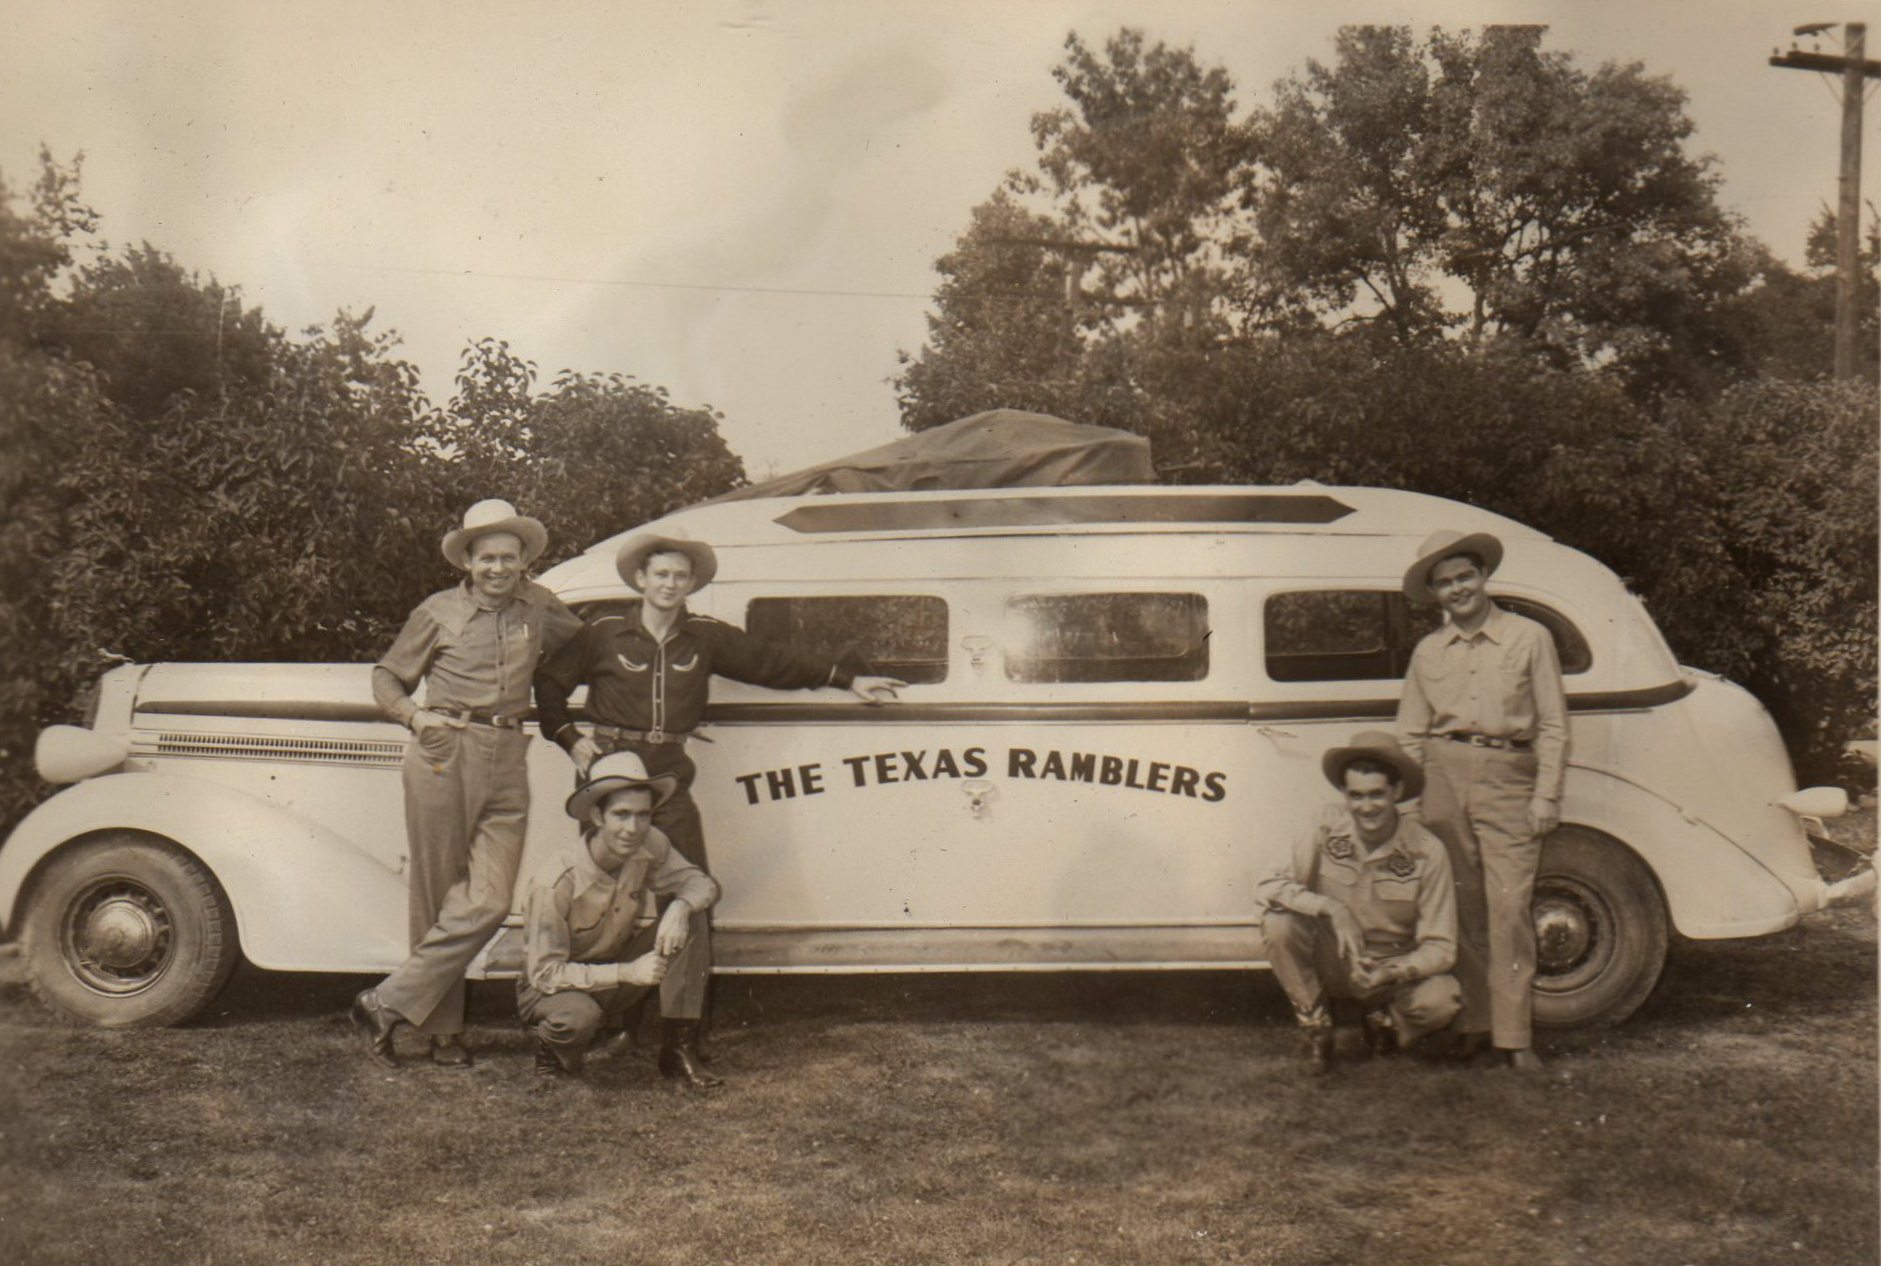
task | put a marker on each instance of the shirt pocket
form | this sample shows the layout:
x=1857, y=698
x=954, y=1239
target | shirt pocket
x=1436, y=665
x=1399, y=899
x=586, y=914
x=1337, y=877
x=1513, y=682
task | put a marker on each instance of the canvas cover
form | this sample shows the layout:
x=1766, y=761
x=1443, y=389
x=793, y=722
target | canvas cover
x=1002, y=448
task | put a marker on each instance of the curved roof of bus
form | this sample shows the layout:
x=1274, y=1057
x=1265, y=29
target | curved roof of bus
x=1303, y=508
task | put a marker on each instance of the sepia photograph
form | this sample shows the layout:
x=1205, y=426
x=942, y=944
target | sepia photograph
x=798, y=631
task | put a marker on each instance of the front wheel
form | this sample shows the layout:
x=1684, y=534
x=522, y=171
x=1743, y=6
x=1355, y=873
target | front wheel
x=126, y=931
x=1600, y=931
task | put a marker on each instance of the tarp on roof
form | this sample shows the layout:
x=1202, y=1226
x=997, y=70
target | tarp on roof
x=1002, y=448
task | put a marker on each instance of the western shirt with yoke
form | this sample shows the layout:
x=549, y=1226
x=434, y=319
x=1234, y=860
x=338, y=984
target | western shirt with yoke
x=472, y=656
x=1503, y=681
x=578, y=923
x=1400, y=893
x=661, y=687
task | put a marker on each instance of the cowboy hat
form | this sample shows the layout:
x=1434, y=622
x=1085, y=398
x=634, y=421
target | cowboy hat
x=1446, y=544
x=615, y=772
x=487, y=517
x=1381, y=747
x=633, y=556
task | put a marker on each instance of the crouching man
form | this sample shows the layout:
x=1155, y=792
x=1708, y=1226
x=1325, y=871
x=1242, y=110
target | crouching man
x=588, y=957
x=1363, y=915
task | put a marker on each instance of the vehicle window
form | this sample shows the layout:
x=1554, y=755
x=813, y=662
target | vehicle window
x=1330, y=635
x=896, y=635
x=1368, y=635
x=1088, y=637
x=1576, y=656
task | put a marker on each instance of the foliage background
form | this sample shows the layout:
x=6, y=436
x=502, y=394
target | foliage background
x=1454, y=262
x=1458, y=263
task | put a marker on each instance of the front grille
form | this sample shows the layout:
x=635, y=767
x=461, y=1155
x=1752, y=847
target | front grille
x=319, y=751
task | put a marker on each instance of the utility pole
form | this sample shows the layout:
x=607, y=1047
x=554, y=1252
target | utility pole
x=1075, y=256
x=1854, y=67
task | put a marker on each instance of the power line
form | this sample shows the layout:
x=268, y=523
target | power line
x=645, y=285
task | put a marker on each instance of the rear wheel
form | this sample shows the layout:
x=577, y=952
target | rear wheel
x=127, y=931
x=1600, y=931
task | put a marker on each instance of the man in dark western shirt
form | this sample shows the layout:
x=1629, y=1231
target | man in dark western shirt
x=649, y=678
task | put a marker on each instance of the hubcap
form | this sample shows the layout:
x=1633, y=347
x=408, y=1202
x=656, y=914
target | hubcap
x=117, y=937
x=1575, y=936
x=1562, y=935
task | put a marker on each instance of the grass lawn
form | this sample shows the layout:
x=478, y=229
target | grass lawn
x=1094, y=1119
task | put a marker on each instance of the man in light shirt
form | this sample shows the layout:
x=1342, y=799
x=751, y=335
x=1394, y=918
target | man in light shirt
x=591, y=952
x=1484, y=710
x=1363, y=913
x=475, y=646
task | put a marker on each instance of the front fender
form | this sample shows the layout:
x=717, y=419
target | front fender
x=1713, y=889
x=304, y=898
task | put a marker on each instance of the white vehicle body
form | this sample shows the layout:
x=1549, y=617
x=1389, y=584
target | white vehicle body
x=1120, y=699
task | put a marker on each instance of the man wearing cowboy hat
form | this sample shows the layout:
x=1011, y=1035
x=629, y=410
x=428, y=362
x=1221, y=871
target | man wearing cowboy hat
x=649, y=677
x=1364, y=912
x=1484, y=710
x=588, y=957
x=476, y=647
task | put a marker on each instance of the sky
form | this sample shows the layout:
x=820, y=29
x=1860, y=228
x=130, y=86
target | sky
x=737, y=200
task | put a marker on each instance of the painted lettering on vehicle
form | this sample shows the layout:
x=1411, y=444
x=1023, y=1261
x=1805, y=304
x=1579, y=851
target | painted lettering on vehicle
x=880, y=769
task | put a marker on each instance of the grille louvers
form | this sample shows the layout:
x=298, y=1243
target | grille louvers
x=319, y=751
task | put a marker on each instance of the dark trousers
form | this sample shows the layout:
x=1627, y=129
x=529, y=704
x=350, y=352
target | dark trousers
x=568, y=1019
x=1305, y=959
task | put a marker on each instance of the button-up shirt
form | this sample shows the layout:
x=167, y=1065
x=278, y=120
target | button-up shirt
x=470, y=655
x=637, y=682
x=1503, y=681
x=1400, y=893
x=579, y=919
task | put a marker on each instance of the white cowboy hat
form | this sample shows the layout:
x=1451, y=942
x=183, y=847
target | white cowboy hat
x=1446, y=544
x=1381, y=747
x=612, y=773
x=633, y=556
x=487, y=517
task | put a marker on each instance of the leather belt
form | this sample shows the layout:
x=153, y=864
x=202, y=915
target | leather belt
x=658, y=738
x=482, y=716
x=1489, y=740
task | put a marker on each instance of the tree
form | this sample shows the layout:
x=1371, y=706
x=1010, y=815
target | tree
x=592, y=456
x=1004, y=333
x=1078, y=288
x=1787, y=319
x=1559, y=205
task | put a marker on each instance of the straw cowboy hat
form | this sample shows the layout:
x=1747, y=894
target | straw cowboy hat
x=634, y=554
x=615, y=772
x=1381, y=747
x=491, y=516
x=1441, y=545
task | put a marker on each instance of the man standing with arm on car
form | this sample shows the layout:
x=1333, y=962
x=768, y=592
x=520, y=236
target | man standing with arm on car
x=1484, y=709
x=476, y=646
x=1363, y=914
x=649, y=677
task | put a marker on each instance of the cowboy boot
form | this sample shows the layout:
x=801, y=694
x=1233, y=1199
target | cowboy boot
x=1381, y=1031
x=1316, y=1040
x=679, y=1055
x=549, y=1065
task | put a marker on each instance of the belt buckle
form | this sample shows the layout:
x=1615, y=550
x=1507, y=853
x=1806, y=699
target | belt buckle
x=656, y=736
